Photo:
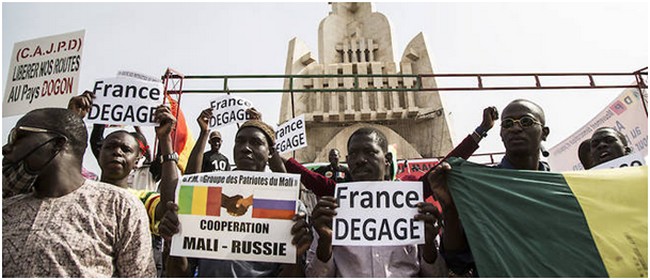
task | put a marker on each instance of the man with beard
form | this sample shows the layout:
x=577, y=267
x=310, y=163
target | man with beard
x=367, y=148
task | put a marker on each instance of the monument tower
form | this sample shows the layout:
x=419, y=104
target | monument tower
x=353, y=39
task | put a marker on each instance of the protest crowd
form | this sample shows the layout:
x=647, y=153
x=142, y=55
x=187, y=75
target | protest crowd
x=134, y=218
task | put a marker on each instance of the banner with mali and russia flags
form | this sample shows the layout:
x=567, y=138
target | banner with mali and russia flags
x=237, y=215
x=520, y=223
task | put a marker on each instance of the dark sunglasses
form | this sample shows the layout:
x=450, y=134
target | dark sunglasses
x=524, y=121
x=14, y=132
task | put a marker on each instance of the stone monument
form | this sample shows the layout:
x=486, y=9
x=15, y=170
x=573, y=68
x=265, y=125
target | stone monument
x=353, y=39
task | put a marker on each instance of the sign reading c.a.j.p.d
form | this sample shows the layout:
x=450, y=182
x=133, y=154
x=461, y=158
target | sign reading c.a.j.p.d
x=43, y=72
x=126, y=101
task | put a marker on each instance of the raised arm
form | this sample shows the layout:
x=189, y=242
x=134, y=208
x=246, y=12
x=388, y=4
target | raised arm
x=81, y=105
x=169, y=169
x=195, y=161
x=317, y=183
x=469, y=145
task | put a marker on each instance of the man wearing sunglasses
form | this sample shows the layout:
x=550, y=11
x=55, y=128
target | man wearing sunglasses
x=522, y=132
x=61, y=225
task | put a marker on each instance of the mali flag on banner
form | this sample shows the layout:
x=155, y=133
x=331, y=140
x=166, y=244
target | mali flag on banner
x=199, y=200
x=274, y=209
x=540, y=224
x=184, y=141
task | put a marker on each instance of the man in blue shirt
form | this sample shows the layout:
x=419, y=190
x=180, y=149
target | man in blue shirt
x=522, y=131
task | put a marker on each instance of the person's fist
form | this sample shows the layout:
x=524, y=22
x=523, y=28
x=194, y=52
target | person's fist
x=81, y=104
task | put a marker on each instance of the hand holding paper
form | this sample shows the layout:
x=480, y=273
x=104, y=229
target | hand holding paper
x=81, y=104
x=167, y=121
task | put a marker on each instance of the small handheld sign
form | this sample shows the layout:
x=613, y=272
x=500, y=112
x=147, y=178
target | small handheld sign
x=124, y=100
x=291, y=135
x=378, y=213
x=228, y=110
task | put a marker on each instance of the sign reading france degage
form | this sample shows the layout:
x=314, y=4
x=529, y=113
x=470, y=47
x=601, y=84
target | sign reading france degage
x=378, y=213
x=291, y=135
x=126, y=101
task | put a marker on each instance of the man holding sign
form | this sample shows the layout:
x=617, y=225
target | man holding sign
x=366, y=159
x=253, y=148
x=211, y=160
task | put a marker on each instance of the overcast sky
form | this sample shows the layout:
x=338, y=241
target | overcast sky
x=252, y=38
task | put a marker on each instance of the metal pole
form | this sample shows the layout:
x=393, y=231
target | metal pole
x=640, y=84
x=293, y=109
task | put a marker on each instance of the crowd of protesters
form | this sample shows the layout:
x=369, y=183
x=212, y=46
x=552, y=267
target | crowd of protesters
x=57, y=223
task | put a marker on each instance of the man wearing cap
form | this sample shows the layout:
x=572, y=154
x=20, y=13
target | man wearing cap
x=254, y=145
x=211, y=160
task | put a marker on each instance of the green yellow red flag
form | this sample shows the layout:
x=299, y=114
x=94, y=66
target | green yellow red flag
x=521, y=223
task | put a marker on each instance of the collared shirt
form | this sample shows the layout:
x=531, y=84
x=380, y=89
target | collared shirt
x=369, y=261
x=505, y=164
x=98, y=230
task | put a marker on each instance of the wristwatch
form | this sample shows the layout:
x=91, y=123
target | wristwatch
x=173, y=156
x=480, y=132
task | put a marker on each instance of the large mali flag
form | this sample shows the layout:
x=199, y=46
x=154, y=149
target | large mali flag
x=540, y=224
x=199, y=200
x=183, y=141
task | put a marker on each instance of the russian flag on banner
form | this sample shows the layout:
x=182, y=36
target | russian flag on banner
x=274, y=209
x=199, y=200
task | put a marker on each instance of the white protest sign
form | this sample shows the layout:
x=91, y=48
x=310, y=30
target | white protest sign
x=228, y=110
x=213, y=227
x=634, y=159
x=126, y=101
x=625, y=114
x=377, y=214
x=137, y=75
x=291, y=135
x=43, y=72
